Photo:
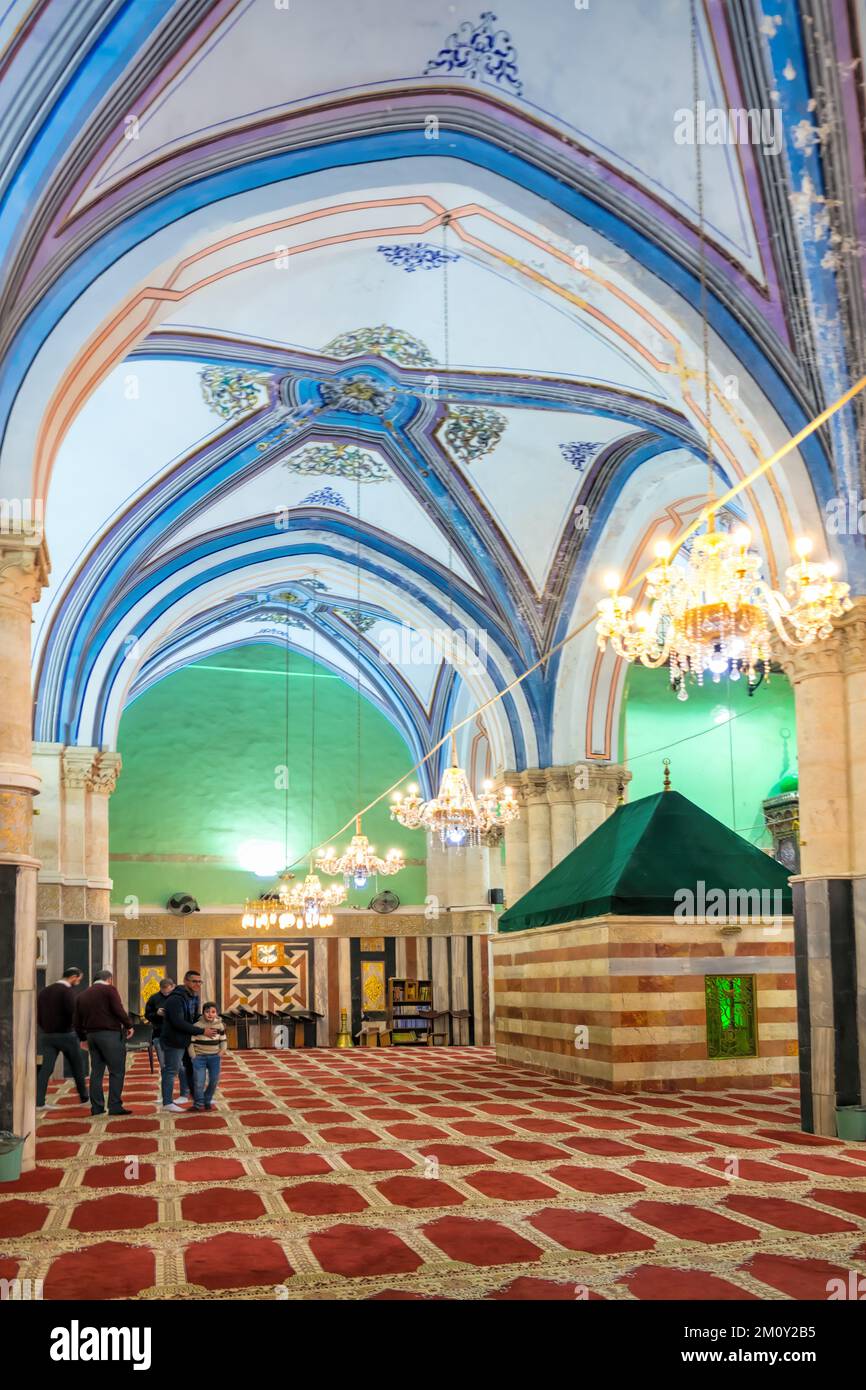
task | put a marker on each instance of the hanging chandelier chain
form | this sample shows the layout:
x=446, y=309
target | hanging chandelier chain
x=702, y=261
x=358, y=631
x=286, y=753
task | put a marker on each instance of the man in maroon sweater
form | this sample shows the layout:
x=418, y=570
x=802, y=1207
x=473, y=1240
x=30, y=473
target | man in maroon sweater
x=54, y=1009
x=103, y=1025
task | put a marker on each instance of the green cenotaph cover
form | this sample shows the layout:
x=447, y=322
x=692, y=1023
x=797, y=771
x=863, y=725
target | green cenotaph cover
x=641, y=857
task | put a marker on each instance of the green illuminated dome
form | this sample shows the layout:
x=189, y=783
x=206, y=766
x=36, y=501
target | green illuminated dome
x=790, y=782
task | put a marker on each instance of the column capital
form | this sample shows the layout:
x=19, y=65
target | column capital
x=573, y=783
x=24, y=569
x=600, y=782
x=77, y=767
x=106, y=770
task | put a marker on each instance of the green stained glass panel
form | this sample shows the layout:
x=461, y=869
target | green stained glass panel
x=731, y=1023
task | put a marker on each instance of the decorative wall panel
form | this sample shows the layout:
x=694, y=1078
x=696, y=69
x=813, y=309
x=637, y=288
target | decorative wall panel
x=264, y=975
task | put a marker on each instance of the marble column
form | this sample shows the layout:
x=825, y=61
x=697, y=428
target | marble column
x=23, y=572
x=829, y=681
x=560, y=806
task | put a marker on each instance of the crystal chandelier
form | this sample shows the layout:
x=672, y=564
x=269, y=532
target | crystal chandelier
x=359, y=863
x=271, y=910
x=716, y=614
x=456, y=815
x=310, y=904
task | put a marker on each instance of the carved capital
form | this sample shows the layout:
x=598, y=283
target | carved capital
x=24, y=570
x=106, y=770
x=605, y=782
x=77, y=767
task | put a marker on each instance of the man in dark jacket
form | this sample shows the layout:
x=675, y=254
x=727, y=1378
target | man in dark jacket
x=180, y=1011
x=154, y=1012
x=103, y=1025
x=54, y=1009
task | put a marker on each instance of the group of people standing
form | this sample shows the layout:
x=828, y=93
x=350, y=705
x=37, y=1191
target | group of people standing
x=94, y=1021
x=186, y=1049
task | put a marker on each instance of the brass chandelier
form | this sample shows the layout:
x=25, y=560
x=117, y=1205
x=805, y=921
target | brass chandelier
x=360, y=862
x=271, y=910
x=455, y=814
x=716, y=615
x=310, y=904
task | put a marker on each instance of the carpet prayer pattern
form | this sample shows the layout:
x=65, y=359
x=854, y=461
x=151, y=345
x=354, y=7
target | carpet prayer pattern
x=434, y=1173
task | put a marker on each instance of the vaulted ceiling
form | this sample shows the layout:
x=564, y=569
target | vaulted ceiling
x=356, y=321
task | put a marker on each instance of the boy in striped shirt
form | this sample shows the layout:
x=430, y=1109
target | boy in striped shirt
x=206, y=1053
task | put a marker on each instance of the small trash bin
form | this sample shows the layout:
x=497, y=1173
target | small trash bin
x=11, y=1152
x=851, y=1122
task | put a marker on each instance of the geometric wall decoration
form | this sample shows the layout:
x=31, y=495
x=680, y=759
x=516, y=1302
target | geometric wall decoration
x=371, y=944
x=264, y=975
x=151, y=948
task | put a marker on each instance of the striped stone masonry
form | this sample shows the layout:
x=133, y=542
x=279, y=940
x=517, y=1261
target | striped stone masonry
x=638, y=988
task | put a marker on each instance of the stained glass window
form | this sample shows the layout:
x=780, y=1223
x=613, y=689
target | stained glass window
x=731, y=1024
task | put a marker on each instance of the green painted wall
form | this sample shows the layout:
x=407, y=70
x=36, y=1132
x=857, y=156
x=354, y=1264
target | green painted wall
x=200, y=750
x=727, y=749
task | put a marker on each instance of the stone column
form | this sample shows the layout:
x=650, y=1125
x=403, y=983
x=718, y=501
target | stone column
x=23, y=572
x=829, y=681
x=560, y=806
x=103, y=780
x=598, y=790
x=517, y=858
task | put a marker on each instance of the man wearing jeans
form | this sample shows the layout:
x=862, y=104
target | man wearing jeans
x=154, y=1012
x=54, y=1009
x=103, y=1025
x=179, y=1026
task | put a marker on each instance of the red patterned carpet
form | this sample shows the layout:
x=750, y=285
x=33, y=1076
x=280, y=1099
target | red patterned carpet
x=396, y=1174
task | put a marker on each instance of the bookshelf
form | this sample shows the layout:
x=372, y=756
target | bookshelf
x=410, y=1012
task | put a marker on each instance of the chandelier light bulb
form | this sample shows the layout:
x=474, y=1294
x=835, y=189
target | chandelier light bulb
x=803, y=547
x=611, y=581
x=663, y=550
x=743, y=537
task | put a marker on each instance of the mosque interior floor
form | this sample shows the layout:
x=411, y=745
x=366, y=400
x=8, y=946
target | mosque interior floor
x=434, y=1173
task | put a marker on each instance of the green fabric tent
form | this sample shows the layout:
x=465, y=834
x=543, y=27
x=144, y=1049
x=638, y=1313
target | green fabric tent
x=637, y=861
